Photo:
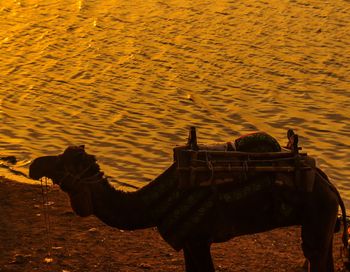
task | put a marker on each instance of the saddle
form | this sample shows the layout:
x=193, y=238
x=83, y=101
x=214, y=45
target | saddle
x=243, y=159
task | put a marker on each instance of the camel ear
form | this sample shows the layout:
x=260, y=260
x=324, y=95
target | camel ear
x=82, y=147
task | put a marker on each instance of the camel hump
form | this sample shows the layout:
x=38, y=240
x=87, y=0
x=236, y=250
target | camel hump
x=257, y=142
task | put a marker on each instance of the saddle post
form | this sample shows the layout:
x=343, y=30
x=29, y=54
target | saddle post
x=295, y=150
x=192, y=139
x=192, y=145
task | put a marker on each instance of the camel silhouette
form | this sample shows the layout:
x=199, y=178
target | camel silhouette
x=192, y=219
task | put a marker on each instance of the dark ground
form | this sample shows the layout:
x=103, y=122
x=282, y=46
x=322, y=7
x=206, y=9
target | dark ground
x=87, y=244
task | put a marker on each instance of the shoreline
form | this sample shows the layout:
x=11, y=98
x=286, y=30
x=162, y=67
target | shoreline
x=86, y=244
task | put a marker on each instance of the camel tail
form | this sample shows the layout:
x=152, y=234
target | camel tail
x=345, y=236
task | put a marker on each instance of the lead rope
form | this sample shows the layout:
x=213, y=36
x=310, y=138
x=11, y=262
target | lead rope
x=45, y=204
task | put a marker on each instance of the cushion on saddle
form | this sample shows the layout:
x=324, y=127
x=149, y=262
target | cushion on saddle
x=257, y=142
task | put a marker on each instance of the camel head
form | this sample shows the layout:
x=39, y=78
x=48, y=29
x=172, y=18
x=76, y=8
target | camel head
x=74, y=171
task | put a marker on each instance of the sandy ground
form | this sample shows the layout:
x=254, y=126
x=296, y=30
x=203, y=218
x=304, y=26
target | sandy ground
x=75, y=244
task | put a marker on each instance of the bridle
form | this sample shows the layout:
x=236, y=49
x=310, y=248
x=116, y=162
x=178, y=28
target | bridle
x=78, y=178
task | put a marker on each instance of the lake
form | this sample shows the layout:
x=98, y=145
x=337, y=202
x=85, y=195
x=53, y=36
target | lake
x=128, y=78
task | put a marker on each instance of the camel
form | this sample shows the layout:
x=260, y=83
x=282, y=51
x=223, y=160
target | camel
x=192, y=219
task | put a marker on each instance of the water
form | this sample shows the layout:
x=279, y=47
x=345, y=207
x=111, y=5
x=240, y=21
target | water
x=127, y=79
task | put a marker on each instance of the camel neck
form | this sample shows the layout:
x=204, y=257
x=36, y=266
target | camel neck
x=131, y=210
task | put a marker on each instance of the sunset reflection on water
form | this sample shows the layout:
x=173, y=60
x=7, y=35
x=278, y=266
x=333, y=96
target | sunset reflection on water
x=128, y=78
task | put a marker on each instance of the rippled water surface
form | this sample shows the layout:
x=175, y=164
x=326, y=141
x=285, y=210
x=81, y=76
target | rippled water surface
x=127, y=78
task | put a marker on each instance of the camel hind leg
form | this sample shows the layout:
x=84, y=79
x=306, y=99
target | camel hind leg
x=320, y=264
x=330, y=261
x=317, y=233
x=197, y=256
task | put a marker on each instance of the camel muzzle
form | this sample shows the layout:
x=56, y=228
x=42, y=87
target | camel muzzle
x=43, y=167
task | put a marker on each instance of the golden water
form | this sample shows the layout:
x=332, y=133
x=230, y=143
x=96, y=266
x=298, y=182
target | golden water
x=127, y=78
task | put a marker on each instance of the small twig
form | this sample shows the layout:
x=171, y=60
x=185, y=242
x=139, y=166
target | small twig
x=45, y=200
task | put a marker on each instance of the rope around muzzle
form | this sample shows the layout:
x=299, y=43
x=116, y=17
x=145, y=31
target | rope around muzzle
x=45, y=207
x=79, y=178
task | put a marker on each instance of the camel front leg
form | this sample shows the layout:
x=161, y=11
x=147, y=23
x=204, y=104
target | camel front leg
x=197, y=256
